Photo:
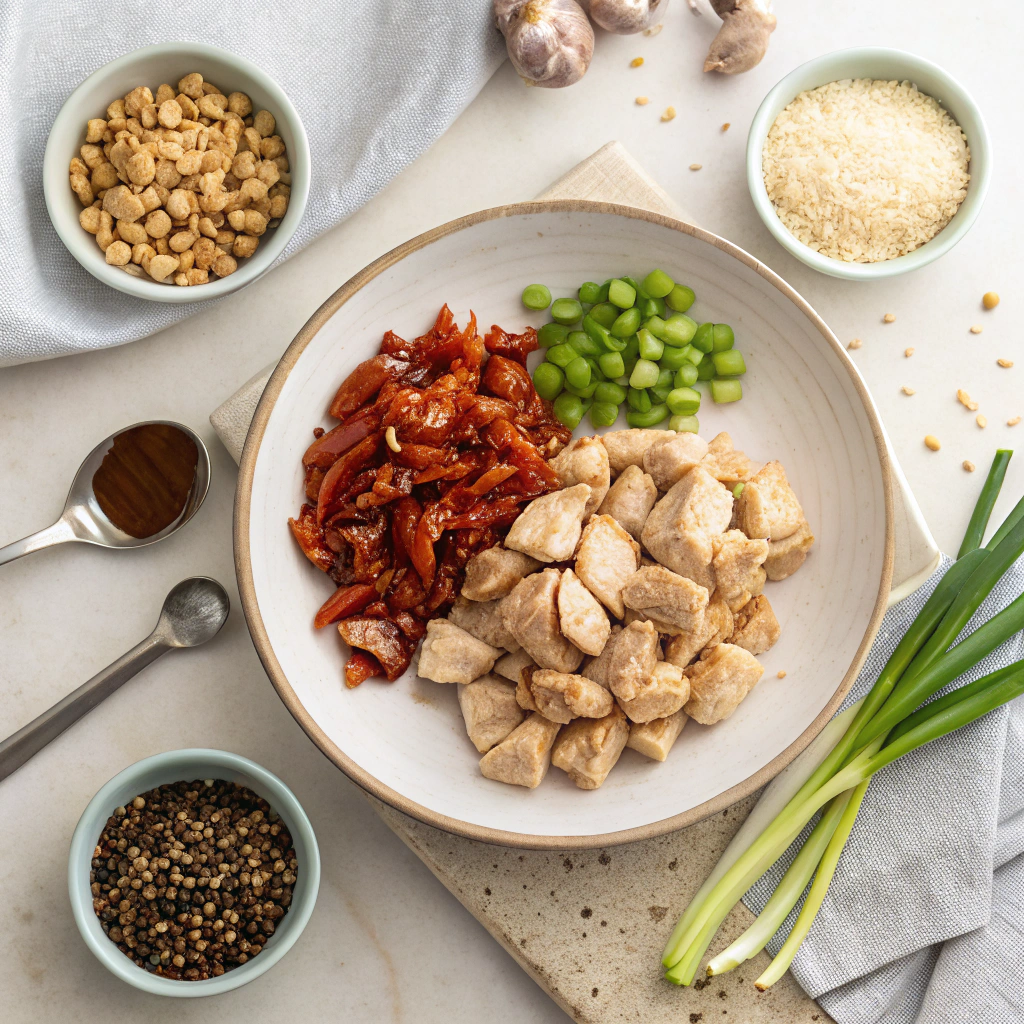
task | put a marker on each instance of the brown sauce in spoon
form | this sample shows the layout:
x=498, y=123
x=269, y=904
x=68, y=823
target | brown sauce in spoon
x=145, y=478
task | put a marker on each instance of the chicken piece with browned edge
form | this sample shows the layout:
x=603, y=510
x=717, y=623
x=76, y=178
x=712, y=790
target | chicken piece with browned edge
x=756, y=627
x=490, y=710
x=530, y=614
x=663, y=694
x=585, y=461
x=606, y=560
x=581, y=617
x=449, y=654
x=719, y=681
x=627, y=661
x=562, y=696
x=672, y=602
x=670, y=460
x=522, y=758
x=483, y=620
x=630, y=499
x=548, y=529
x=654, y=739
x=588, y=748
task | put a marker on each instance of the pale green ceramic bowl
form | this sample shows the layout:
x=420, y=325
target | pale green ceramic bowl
x=151, y=65
x=880, y=63
x=174, y=766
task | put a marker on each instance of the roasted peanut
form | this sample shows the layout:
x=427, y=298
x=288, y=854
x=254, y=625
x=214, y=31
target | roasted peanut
x=264, y=123
x=83, y=189
x=132, y=232
x=118, y=254
x=89, y=218
x=161, y=266
x=244, y=245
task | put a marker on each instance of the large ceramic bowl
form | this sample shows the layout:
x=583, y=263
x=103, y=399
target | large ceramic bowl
x=880, y=63
x=804, y=404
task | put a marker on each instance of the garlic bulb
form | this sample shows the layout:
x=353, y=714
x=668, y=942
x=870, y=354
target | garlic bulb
x=624, y=17
x=550, y=42
x=743, y=38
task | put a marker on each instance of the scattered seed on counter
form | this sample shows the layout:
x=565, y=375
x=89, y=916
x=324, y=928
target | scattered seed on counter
x=889, y=318
x=726, y=126
x=636, y=62
x=976, y=329
x=1013, y=421
x=990, y=300
x=908, y=352
x=696, y=167
x=968, y=465
x=1006, y=364
x=191, y=879
x=908, y=390
x=653, y=30
x=981, y=420
x=856, y=343
x=670, y=112
x=932, y=442
x=965, y=400
x=781, y=674
x=642, y=101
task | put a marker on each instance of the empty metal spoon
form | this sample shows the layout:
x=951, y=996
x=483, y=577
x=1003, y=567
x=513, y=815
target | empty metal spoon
x=84, y=520
x=193, y=613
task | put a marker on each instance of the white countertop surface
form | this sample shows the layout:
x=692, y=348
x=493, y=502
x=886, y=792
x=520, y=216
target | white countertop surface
x=387, y=942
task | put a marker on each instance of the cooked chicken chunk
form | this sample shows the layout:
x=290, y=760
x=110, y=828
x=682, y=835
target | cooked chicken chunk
x=523, y=756
x=585, y=461
x=715, y=627
x=490, y=709
x=562, y=696
x=663, y=694
x=630, y=499
x=787, y=555
x=672, y=602
x=449, y=654
x=530, y=614
x=756, y=627
x=511, y=665
x=580, y=615
x=719, y=681
x=483, y=620
x=627, y=447
x=548, y=529
x=679, y=529
x=493, y=573
x=768, y=508
x=738, y=565
x=588, y=748
x=725, y=463
x=606, y=560
x=627, y=661
x=668, y=461
x=654, y=739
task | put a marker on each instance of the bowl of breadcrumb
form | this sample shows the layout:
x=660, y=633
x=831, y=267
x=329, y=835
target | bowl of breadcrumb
x=869, y=162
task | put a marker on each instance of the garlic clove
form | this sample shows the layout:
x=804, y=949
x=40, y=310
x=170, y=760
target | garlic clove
x=550, y=42
x=624, y=17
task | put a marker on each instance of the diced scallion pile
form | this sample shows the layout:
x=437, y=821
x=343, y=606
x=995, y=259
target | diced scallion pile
x=629, y=342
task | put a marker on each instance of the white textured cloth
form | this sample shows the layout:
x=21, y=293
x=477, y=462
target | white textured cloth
x=374, y=81
x=924, y=920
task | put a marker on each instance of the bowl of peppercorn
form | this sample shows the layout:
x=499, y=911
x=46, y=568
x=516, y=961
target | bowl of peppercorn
x=193, y=872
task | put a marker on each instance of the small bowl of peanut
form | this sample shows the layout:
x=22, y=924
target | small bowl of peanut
x=177, y=172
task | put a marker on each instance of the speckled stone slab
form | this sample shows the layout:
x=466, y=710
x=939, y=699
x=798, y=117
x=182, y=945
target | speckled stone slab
x=589, y=926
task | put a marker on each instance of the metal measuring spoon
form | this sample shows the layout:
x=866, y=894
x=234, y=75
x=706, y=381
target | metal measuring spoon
x=84, y=520
x=193, y=613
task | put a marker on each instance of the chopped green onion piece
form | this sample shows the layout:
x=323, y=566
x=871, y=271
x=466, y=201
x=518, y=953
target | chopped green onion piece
x=638, y=400
x=726, y=391
x=738, y=489
x=651, y=418
x=590, y=291
x=658, y=284
x=683, y=401
x=651, y=307
x=650, y=347
x=599, y=334
x=635, y=285
x=674, y=358
x=645, y=374
x=684, y=424
x=577, y=373
x=680, y=298
x=705, y=369
x=612, y=364
x=660, y=392
x=656, y=326
x=603, y=414
x=552, y=334
x=595, y=368
x=723, y=338
x=562, y=355
x=536, y=296
x=626, y=323
x=604, y=313
x=610, y=393
x=566, y=311
x=621, y=293
x=704, y=337
x=602, y=295
x=679, y=330
x=694, y=355
x=686, y=375
x=584, y=343
x=587, y=392
x=568, y=410
x=729, y=363
x=548, y=380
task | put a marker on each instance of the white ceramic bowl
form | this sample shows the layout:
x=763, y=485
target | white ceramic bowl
x=878, y=63
x=804, y=404
x=151, y=65
x=175, y=766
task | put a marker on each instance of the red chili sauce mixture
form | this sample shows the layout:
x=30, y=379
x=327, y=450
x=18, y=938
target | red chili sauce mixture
x=395, y=514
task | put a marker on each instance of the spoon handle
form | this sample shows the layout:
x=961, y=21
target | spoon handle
x=28, y=741
x=60, y=533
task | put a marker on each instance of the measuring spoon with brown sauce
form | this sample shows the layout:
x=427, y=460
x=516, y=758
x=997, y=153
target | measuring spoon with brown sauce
x=136, y=487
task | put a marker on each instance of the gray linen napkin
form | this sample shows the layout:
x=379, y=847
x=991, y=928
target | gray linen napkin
x=924, y=919
x=374, y=83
